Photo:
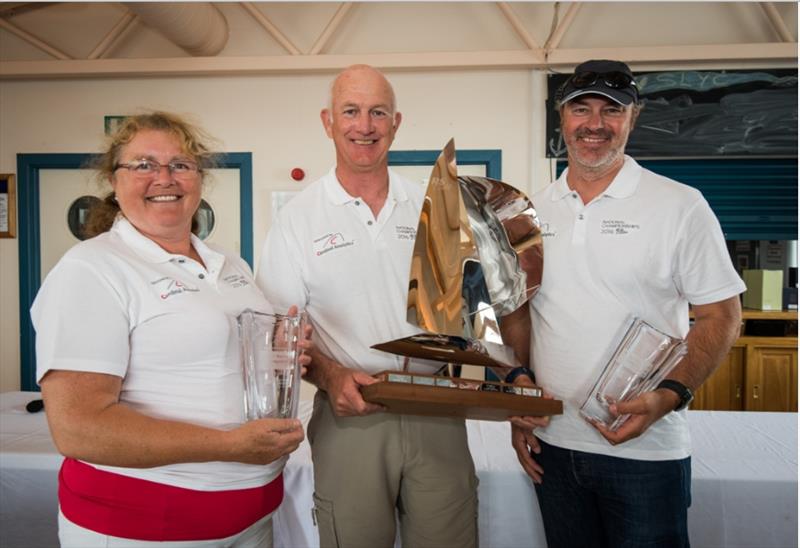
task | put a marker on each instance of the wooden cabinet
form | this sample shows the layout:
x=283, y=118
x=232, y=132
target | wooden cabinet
x=771, y=376
x=759, y=373
x=724, y=390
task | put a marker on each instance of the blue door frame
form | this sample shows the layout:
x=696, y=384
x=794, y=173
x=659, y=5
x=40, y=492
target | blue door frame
x=28, y=167
x=492, y=159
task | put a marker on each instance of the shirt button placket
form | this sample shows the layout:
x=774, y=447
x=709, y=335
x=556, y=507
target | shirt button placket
x=579, y=227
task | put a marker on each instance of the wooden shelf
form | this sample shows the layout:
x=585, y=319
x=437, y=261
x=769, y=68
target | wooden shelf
x=771, y=341
x=751, y=314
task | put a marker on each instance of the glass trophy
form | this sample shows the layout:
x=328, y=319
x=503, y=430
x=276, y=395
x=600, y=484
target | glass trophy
x=270, y=363
x=643, y=358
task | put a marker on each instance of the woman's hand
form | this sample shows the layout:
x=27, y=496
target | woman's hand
x=264, y=440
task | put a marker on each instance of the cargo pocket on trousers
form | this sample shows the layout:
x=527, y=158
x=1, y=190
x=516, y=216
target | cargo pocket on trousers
x=325, y=522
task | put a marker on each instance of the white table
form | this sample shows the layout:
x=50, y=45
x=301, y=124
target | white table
x=744, y=483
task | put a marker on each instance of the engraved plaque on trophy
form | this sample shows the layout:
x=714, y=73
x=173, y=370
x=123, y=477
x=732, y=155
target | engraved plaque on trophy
x=270, y=363
x=477, y=257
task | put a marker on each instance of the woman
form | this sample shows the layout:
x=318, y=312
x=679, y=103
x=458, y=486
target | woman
x=138, y=364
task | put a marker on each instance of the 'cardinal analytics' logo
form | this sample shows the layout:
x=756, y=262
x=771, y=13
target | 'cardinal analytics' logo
x=329, y=242
x=169, y=287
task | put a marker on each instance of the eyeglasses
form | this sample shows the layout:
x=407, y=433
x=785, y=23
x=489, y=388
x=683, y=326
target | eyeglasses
x=146, y=169
x=614, y=80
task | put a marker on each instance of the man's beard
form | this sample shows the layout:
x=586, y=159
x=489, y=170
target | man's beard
x=591, y=161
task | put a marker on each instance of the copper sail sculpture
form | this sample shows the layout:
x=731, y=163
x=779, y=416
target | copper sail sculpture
x=477, y=257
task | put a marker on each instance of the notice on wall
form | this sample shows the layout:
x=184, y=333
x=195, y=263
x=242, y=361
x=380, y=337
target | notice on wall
x=8, y=205
x=4, y=212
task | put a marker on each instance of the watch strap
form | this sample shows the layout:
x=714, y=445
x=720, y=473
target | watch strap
x=684, y=393
x=516, y=372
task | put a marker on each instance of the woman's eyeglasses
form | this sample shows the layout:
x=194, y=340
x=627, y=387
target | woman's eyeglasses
x=146, y=169
x=613, y=80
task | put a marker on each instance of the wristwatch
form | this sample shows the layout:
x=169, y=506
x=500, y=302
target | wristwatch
x=516, y=372
x=684, y=392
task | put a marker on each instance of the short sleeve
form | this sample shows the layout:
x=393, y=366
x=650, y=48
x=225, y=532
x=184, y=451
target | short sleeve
x=279, y=273
x=81, y=322
x=704, y=271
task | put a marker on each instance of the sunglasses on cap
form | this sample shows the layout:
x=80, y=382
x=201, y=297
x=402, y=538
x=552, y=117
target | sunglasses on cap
x=613, y=80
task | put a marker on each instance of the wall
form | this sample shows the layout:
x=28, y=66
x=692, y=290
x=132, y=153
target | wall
x=277, y=119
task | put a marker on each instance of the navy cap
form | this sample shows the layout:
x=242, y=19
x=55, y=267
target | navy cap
x=612, y=79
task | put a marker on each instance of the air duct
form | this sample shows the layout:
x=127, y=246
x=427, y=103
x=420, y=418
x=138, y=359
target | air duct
x=197, y=27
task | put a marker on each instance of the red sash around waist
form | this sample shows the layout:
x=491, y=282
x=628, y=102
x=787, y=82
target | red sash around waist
x=122, y=506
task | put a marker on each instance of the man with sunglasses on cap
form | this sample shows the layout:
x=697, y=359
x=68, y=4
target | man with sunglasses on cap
x=620, y=241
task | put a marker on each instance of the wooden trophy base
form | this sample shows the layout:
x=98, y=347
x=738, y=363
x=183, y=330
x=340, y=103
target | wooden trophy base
x=418, y=394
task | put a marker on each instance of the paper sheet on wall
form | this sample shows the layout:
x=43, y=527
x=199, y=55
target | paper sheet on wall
x=3, y=212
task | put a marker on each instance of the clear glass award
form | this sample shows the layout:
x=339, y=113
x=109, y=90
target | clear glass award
x=643, y=358
x=270, y=363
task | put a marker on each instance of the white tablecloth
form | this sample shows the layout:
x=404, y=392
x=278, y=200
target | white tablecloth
x=744, y=483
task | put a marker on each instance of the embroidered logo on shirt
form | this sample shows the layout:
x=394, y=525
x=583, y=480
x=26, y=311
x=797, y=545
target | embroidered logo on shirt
x=546, y=232
x=615, y=227
x=169, y=287
x=236, y=280
x=329, y=242
x=405, y=232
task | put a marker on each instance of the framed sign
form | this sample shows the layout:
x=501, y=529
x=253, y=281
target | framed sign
x=112, y=123
x=8, y=206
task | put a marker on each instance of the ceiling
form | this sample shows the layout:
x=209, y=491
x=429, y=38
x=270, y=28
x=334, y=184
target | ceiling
x=40, y=40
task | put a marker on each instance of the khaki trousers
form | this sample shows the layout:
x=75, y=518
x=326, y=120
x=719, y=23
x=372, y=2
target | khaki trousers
x=371, y=472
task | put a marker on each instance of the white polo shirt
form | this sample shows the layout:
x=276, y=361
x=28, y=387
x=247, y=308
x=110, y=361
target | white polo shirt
x=120, y=304
x=647, y=247
x=328, y=253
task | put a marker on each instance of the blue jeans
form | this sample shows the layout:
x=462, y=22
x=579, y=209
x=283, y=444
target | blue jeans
x=590, y=500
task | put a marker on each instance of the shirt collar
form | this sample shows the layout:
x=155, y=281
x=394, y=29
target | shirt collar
x=339, y=196
x=623, y=186
x=151, y=252
x=213, y=260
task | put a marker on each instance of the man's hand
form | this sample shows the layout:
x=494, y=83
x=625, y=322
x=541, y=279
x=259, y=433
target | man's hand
x=344, y=391
x=644, y=411
x=523, y=440
x=342, y=384
x=526, y=445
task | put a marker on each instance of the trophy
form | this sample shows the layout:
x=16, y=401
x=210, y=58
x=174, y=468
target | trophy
x=270, y=363
x=477, y=257
x=643, y=358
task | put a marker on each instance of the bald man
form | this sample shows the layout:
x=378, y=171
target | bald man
x=342, y=248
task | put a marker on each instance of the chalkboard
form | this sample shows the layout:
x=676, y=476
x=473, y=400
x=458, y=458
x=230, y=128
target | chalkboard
x=701, y=114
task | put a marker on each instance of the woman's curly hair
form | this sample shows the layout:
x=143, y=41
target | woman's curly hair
x=194, y=142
